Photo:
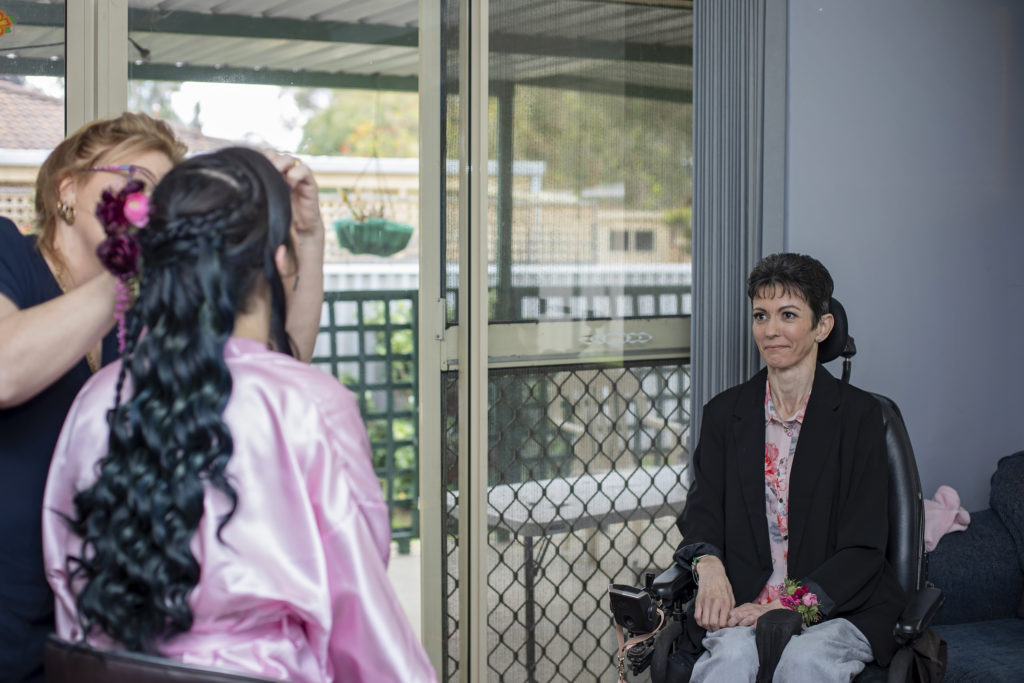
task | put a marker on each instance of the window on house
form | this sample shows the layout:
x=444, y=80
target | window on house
x=619, y=240
x=643, y=240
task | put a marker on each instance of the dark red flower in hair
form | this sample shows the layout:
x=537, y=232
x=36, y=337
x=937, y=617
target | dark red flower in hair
x=120, y=254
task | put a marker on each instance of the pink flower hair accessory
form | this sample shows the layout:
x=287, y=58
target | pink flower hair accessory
x=122, y=215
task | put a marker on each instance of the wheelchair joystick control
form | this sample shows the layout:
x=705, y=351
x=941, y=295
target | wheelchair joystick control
x=633, y=608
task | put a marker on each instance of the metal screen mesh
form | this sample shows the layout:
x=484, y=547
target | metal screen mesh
x=586, y=469
x=450, y=570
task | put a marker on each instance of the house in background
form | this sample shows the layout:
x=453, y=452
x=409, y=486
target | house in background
x=32, y=122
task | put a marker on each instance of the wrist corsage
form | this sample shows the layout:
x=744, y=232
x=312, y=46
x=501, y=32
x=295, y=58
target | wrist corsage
x=797, y=597
x=122, y=215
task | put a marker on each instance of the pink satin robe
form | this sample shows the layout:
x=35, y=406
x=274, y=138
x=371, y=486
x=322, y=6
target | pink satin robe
x=298, y=590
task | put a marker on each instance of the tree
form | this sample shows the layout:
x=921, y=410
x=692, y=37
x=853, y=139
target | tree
x=153, y=98
x=360, y=123
x=603, y=139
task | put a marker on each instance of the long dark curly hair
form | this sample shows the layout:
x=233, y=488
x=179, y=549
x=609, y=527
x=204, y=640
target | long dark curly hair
x=216, y=222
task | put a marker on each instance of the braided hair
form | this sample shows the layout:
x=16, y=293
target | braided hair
x=216, y=221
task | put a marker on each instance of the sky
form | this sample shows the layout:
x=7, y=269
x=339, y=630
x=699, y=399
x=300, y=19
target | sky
x=254, y=113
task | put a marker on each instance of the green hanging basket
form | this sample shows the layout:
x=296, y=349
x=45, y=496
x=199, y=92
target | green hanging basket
x=377, y=236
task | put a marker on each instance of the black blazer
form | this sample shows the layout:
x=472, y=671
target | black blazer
x=838, y=509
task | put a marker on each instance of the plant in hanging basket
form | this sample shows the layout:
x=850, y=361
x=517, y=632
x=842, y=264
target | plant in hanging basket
x=372, y=235
x=368, y=232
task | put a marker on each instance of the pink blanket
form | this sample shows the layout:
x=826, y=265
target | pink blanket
x=942, y=515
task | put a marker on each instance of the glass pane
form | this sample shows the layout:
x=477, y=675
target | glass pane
x=337, y=84
x=591, y=148
x=589, y=207
x=31, y=99
x=451, y=99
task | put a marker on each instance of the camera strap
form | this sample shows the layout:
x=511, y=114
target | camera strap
x=624, y=644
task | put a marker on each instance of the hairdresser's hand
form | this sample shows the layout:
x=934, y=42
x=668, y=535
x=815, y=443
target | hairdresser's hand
x=306, y=219
x=748, y=613
x=714, y=594
x=305, y=294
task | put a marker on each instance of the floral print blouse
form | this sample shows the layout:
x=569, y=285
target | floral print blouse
x=780, y=437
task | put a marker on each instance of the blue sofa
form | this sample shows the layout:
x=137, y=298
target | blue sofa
x=981, y=574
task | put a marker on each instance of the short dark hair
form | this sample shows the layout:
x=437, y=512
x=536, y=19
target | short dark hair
x=793, y=273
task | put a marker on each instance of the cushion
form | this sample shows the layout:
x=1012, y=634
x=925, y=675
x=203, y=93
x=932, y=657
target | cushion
x=985, y=651
x=979, y=577
x=1007, y=498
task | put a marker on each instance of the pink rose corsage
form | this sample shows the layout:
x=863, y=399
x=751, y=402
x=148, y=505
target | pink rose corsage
x=797, y=597
x=123, y=214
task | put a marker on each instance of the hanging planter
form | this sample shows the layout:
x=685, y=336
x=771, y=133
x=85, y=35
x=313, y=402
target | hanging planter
x=368, y=232
x=372, y=235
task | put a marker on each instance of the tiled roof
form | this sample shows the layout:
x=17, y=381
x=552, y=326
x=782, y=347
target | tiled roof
x=196, y=141
x=29, y=119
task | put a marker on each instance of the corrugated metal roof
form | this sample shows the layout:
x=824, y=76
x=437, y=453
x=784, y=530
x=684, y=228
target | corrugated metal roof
x=373, y=43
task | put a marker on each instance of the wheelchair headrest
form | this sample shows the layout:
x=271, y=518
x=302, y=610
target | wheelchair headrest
x=838, y=342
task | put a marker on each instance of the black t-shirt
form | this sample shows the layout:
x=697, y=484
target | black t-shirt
x=28, y=434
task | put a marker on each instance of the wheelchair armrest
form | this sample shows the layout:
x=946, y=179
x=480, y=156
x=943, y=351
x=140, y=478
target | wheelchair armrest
x=672, y=583
x=918, y=613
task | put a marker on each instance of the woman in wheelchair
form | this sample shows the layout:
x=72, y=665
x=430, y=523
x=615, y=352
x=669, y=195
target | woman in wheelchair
x=789, y=495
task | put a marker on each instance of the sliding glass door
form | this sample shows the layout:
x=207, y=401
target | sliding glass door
x=561, y=144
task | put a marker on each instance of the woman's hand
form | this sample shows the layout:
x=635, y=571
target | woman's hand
x=303, y=317
x=748, y=613
x=306, y=220
x=714, y=600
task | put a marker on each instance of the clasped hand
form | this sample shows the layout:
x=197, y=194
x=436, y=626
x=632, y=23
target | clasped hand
x=715, y=605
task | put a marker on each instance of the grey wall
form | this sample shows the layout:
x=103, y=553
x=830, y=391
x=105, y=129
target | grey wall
x=906, y=178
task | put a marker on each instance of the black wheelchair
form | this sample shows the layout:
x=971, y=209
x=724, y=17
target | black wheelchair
x=634, y=609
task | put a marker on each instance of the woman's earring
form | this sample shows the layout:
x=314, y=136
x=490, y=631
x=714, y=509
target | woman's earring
x=66, y=212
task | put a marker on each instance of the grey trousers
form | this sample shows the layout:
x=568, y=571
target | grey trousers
x=834, y=650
